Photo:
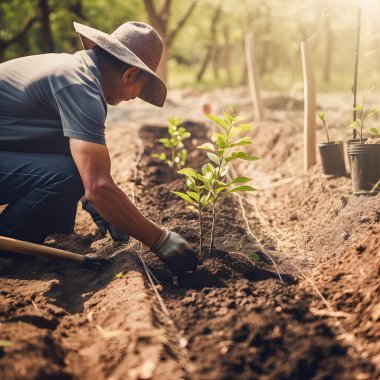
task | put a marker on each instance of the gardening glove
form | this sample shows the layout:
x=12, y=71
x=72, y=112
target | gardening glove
x=176, y=253
x=103, y=226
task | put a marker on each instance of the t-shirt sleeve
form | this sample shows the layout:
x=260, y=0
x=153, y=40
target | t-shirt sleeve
x=82, y=113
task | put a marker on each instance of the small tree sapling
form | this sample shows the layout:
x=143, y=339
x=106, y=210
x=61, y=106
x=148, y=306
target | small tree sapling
x=332, y=155
x=209, y=187
x=177, y=156
x=322, y=117
x=358, y=124
x=197, y=196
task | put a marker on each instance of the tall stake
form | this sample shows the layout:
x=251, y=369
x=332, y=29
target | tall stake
x=355, y=85
x=310, y=105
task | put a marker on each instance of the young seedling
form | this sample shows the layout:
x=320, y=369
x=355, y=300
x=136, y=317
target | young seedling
x=197, y=196
x=322, y=117
x=177, y=156
x=209, y=187
x=358, y=124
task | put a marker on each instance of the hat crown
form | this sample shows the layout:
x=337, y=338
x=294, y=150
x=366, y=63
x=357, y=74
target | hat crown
x=143, y=40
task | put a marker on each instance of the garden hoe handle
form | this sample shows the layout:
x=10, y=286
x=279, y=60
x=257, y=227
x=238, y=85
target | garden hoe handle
x=25, y=247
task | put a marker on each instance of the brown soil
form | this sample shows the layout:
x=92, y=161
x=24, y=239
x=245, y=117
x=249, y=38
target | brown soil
x=232, y=319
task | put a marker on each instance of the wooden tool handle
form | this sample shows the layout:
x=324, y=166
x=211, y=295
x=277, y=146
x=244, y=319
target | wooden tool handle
x=19, y=246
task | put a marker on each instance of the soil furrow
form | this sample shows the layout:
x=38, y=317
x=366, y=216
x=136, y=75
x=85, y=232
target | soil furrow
x=240, y=321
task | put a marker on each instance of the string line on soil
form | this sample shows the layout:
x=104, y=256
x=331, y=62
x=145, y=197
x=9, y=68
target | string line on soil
x=186, y=362
x=349, y=337
x=249, y=227
x=284, y=250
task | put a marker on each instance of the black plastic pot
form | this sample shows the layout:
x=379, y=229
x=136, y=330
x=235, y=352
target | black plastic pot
x=365, y=168
x=349, y=143
x=332, y=157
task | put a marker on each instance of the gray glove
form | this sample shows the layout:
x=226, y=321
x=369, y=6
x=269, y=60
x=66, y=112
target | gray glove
x=176, y=253
x=103, y=226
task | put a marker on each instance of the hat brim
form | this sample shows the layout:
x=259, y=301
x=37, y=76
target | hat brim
x=154, y=92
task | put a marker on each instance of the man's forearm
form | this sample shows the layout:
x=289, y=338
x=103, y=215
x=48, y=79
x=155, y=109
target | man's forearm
x=118, y=210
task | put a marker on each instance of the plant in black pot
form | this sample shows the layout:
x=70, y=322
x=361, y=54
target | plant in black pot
x=365, y=155
x=332, y=153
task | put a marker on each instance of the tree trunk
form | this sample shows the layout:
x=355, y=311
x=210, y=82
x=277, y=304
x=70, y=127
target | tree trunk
x=329, y=44
x=212, y=41
x=216, y=61
x=227, y=55
x=160, y=21
x=264, y=59
x=46, y=34
x=244, y=68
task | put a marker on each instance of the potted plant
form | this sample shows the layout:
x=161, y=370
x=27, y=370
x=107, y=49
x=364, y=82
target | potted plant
x=332, y=153
x=365, y=155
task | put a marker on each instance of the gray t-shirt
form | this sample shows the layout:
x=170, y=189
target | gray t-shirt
x=47, y=98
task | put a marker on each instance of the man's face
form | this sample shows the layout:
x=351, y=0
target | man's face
x=127, y=87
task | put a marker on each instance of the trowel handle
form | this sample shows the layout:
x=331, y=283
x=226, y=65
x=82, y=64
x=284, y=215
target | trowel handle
x=19, y=246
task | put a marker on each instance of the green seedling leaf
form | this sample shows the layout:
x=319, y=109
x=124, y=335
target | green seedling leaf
x=241, y=188
x=371, y=112
x=228, y=116
x=208, y=171
x=193, y=195
x=119, y=275
x=222, y=122
x=161, y=156
x=188, y=172
x=241, y=155
x=241, y=142
x=358, y=108
x=220, y=189
x=223, y=170
x=239, y=118
x=322, y=116
x=354, y=125
x=373, y=131
x=183, y=196
x=6, y=343
x=174, y=143
x=239, y=180
x=207, y=146
x=214, y=158
x=254, y=257
x=174, y=121
x=220, y=140
x=241, y=129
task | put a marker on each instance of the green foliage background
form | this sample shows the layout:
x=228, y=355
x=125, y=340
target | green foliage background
x=279, y=26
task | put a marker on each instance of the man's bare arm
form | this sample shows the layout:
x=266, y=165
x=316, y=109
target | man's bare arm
x=93, y=163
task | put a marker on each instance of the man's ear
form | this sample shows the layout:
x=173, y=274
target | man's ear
x=131, y=72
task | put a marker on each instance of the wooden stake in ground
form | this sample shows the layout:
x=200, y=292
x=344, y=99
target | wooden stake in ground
x=310, y=106
x=253, y=75
x=355, y=85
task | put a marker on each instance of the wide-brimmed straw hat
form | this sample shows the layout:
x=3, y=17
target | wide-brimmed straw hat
x=135, y=43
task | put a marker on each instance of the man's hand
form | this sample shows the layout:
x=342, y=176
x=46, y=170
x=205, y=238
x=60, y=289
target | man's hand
x=103, y=225
x=176, y=253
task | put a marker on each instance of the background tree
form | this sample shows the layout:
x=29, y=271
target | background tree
x=159, y=19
